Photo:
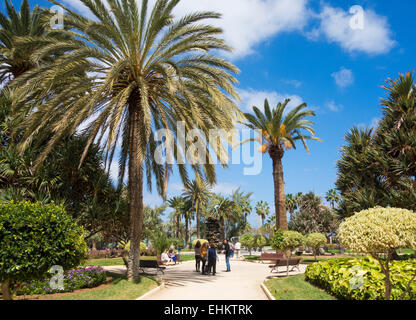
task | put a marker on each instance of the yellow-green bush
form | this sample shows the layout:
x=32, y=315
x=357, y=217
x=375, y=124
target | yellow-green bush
x=342, y=277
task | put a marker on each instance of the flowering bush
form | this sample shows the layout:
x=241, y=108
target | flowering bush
x=361, y=279
x=106, y=253
x=74, y=279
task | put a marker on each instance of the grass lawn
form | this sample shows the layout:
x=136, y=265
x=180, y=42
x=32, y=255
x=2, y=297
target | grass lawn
x=118, y=289
x=305, y=260
x=295, y=288
x=105, y=262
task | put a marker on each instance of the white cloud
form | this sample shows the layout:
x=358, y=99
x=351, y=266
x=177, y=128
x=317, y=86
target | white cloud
x=249, y=22
x=294, y=83
x=374, y=38
x=252, y=98
x=331, y=105
x=224, y=188
x=343, y=78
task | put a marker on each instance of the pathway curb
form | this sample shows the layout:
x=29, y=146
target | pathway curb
x=267, y=292
x=151, y=291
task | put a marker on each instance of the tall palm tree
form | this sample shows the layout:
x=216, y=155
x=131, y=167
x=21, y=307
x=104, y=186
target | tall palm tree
x=21, y=35
x=332, y=197
x=279, y=131
x=262, y=210
x=177, y=203
x=291, y=204
x=130, y=72
x=197, y=191
x=188, y=215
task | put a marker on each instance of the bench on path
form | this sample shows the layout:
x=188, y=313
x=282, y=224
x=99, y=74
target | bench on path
x=293, y=262
x=270, y=257
x=151, y=264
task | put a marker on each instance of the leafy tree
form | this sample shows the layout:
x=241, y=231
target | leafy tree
x=247, y=240
x=314, y=217
x=223, y=209
x=380, y=232
x=44, y=233
x=243, y=202
x=315, y=241
x=259, y=241
x=280, y=131
x=136, y=72
x=287, y=241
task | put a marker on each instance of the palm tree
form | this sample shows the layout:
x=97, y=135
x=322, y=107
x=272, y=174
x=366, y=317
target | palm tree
x=291, y=204
x=188, y=215
x=21, y=35
x=332, y=197
x=223, y=209
x=262, y=210
x=197, y=191
x=280, y=131
x=243, y=202
x=177, y=203
x=131, y=72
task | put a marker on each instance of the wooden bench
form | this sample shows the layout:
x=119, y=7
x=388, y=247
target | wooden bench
x=293, y=262
x=151, y=264
x=271, y=257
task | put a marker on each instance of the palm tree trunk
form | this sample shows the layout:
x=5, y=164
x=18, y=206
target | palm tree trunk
x=186, y=230
x=177, y=225
x=222, y=222
x=6, y=290
x=279, y=191
x=135, y=187
x=198, y=234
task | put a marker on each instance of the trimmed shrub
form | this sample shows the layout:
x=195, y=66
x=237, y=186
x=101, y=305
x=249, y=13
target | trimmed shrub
x=315, y=241
x=380, y=232
x=247, y=240
x=33, y=238
x=177, y=243
x=361, y=279
x=88, y=277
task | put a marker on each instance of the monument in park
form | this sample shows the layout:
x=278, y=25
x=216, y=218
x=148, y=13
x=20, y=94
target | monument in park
x=214, y=231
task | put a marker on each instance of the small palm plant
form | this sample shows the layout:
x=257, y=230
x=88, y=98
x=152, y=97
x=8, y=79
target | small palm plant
x=280, y=130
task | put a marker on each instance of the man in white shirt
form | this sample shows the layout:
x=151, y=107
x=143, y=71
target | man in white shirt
x=238, y=248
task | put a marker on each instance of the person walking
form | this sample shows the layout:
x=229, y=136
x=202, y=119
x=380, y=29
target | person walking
x=227, y=252
x=198, y=256
x=212, y=259
x=204, y=257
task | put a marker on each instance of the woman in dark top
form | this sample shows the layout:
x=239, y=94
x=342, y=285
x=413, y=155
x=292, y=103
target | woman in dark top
x=198, y=255
x=212, y=259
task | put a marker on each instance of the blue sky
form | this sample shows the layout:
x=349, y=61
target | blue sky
x=308, y=51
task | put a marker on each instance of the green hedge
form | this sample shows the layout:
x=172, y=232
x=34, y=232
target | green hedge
x=338, y=276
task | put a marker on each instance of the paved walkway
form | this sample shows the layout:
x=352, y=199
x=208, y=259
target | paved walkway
x=242, y=283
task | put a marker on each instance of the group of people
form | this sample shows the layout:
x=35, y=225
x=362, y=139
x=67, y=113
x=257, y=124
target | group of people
x=169, y=256
x=206, y=254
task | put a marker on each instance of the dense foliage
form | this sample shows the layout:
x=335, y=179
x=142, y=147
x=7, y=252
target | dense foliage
x=313, y=216
x=74, y=279
x=377, y=166
x=34, y=237
x=379, y=231
x=361, y=279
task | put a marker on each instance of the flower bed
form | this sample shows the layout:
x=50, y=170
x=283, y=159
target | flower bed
x=361, y=279
x=74, y=279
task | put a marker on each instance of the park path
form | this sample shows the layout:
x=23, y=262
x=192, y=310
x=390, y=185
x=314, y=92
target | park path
x=242, y=283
